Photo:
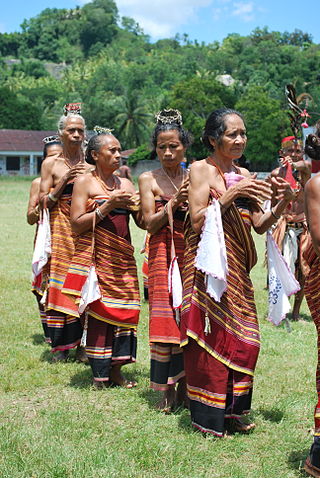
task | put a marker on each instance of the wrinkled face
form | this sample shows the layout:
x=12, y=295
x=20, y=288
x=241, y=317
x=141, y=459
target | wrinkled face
x=73, y=132
x=232, y=143
x=109, y=154
x=53, y=149
x=169, y=148
x=295, y=152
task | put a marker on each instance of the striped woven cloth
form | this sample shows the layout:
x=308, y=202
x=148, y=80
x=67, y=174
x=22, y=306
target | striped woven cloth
x=312, y=292
x=116, y=271
x=234, y=337
x=61, y=254
x=163, y=327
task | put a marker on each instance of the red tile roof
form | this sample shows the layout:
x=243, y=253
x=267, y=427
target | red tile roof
x=22, y=140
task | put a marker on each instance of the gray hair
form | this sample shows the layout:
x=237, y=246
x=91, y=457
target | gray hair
x=64, y=118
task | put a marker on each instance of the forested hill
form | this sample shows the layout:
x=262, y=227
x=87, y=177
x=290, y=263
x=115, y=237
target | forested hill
x=123, y=79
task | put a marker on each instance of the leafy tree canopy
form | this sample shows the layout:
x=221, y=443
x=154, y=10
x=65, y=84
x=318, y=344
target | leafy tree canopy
x=89, y=55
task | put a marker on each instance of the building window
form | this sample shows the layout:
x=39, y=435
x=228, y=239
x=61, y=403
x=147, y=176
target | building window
x=13, y=163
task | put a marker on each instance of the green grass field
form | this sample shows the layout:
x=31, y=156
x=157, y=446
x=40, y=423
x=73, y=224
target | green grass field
x=54, y=425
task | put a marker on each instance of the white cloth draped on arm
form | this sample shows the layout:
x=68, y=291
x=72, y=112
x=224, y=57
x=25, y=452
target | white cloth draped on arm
x=42, y=248
x=282, y=283
x=90, y=291
x=211, y=257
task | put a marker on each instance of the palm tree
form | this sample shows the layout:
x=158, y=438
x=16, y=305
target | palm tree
x=134, y=122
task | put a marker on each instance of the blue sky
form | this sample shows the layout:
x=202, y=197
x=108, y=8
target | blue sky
x=204, y=20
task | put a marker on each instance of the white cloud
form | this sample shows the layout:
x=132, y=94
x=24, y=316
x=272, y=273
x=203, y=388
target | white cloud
x=161, y=18
x=244, y=11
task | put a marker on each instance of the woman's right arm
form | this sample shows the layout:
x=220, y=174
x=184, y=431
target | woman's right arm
x=153, y=220
x=47, y=181
x=199, y=191
x=82, y=220
x=33, y=205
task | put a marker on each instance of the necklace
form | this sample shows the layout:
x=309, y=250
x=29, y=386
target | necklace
x=104, y=185
x=167, y=175
x=70, y=166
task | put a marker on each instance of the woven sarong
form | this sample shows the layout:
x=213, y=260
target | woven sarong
x=61, y=255
x=108, y=345
x=312, y=292
x=62, y=318
x=112, y=319
x=232, y=335
x=164, y=335
x=163, y=326
x=117, y=276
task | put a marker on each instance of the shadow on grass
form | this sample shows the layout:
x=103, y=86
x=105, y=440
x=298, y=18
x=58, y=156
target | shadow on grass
x=81, y=379
x=46, y=356
x=274, y=415
x=150, y=396
x=297, y=458
x=84, y=378
x=185, y=423
x=37, y=339
x=303, y=318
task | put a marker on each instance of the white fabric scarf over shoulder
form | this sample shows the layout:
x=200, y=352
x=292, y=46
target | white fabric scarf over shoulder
x=211, y=257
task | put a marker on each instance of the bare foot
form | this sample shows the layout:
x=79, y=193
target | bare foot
x=166, y=404
x=240, y=425
x=117, y=379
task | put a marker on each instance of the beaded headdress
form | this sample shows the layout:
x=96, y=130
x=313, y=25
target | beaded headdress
x=289, y=141
x=169, y=116
x=72, y=108
x=51, y=139
x=102, y=130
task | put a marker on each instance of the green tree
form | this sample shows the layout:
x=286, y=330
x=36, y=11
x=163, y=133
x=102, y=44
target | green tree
x=196, y=99
x=134, y=122
x=18, y=112
x=142, y=153
x=267, y=122
x=98, y=24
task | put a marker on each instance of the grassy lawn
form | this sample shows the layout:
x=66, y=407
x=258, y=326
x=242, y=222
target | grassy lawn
x=54, y=425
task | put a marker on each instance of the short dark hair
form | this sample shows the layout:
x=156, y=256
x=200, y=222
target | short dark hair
x=94, y=144
x=47, y=145
x=184, y=135
x=215, y=125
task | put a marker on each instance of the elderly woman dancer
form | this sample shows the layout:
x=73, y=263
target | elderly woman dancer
x=164, y=192
x=57, y=176
x=102, y=203
x=220, y=335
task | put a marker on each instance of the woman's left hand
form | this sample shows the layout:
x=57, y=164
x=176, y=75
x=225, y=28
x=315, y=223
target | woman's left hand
x=282, y=190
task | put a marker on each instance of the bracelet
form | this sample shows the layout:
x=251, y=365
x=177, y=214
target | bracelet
x=99, y=214
x=52, y=197
x=274, y=215
x=37, y=210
